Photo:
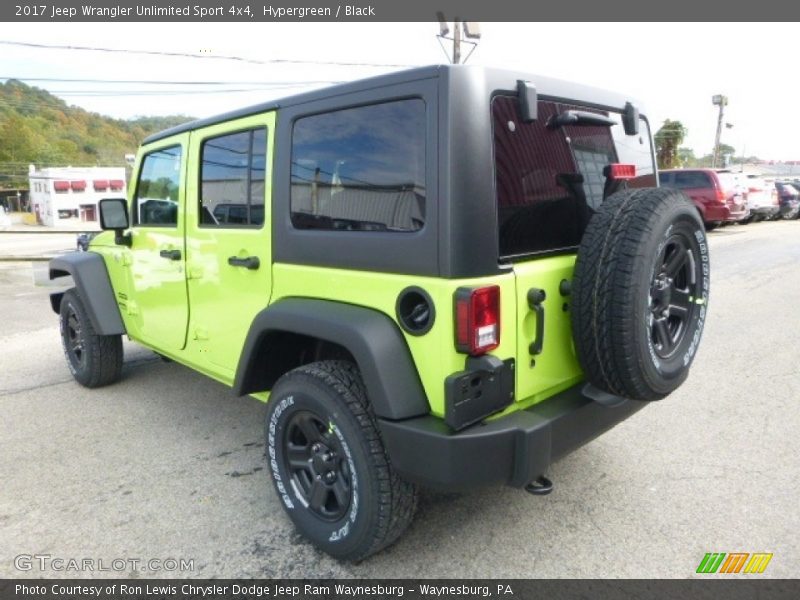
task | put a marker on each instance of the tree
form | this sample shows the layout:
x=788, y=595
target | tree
x=686, y=157
x=19, y=143
x=668, y=139
x=726, y=154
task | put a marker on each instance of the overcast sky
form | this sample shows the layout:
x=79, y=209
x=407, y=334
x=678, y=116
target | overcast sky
x=673, y=68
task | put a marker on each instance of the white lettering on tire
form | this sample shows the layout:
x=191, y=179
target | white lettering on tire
x=273, y=462
x=344, y=530
x=703, y=300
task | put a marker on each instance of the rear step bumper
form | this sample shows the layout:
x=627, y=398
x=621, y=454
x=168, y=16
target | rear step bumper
x=515, y=449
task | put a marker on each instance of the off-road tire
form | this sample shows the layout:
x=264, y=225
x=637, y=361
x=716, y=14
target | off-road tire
x=381, y=504
x=626, y=307
x=94, y=360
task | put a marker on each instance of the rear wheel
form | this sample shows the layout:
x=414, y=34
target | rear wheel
x=640, y=291
x=94, y=360
x=329, y=465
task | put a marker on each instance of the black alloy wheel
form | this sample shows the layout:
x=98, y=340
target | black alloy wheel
x=316, y=460
x=672, y=295
x=73, y=343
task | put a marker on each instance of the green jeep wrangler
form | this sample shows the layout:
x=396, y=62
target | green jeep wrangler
x=448, y=277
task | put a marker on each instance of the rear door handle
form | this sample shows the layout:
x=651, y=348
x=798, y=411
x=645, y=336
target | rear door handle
x=170, y=254
x=535, y=298
x=251, y=262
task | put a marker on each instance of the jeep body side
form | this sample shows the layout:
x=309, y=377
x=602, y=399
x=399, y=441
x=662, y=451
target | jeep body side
x=436, y=269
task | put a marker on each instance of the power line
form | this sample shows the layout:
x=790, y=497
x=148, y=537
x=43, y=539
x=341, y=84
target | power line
x=122, y=94
x=272, y=61
x=163, y=82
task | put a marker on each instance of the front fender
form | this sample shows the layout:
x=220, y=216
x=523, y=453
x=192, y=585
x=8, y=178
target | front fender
x=88, y=270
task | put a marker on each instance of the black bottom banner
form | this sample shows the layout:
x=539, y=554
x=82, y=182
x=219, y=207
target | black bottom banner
x=362, y=589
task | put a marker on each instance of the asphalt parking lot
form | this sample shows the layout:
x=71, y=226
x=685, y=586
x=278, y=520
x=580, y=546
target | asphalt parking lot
x=168, y=464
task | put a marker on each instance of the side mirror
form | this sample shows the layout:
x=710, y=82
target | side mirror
x=114, y=217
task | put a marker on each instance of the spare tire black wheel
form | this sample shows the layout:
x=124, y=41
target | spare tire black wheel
x=640, y=293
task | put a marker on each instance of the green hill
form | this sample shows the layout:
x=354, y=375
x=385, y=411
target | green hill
x=39, y=128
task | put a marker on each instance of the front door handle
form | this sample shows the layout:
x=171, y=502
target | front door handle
x=251, y=262
x=170, y=254
x=535, y=298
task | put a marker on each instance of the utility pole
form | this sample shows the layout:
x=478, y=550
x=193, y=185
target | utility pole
x=722, y=102
x=456, y=43
x=463, y=32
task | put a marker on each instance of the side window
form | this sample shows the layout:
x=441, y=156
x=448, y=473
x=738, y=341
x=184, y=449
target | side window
x=360, y=169
x=158, y=188
x=232, y=172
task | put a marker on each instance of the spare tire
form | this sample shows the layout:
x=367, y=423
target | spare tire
x=640, y=293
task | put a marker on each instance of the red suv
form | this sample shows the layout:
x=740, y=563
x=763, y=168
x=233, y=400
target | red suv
x=716, y=195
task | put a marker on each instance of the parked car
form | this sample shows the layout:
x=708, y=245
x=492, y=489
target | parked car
x=83, y=240
x=716, y=195
x=456, y=276
x=789, y=200
x=762, y=199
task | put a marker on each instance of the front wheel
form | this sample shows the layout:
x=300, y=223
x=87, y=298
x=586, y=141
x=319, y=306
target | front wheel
x=328, y=463
x=94, y=360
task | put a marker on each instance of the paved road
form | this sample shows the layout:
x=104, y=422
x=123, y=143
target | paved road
x=39, y=243
x=169, y=464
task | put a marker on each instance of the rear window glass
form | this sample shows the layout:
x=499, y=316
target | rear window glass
x=360, y=169
x=690, y=179
x=550, y=181
x=728, y=181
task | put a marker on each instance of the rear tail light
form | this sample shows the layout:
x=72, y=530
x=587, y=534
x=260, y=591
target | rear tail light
x=620, y=171
x=477, y=319
x=721, y=195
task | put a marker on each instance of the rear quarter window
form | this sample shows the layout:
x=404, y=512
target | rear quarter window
x=360, y=169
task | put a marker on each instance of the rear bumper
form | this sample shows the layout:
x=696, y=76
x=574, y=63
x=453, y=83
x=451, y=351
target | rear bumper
x=514, y=449
x=737, y=213
x=766, y=211
x=789, y=207
x=715, y=213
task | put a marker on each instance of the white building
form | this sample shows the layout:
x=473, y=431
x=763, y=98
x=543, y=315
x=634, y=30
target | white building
x=69, y=195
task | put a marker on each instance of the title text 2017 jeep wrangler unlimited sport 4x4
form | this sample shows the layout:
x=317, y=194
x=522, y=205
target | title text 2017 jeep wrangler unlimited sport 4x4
x=448, y=276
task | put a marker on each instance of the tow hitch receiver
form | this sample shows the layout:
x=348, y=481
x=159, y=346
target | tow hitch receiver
x=541, y=486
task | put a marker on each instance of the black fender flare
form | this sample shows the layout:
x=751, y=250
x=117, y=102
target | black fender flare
x=371, y=337
x=88, y=271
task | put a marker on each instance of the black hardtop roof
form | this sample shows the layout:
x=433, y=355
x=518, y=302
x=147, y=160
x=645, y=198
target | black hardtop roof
x=491, y=77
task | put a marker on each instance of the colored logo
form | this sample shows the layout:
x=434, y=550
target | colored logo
x=734, y=562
